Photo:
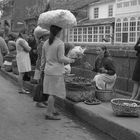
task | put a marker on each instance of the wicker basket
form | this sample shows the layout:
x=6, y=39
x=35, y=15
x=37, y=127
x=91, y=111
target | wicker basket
x=104, y=95
x=78, y=93
x=121, y=109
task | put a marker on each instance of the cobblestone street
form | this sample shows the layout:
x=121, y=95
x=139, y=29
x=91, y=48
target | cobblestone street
x=22, y=120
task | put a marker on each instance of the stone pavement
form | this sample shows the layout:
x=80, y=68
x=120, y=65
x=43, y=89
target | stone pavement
x=99, y=116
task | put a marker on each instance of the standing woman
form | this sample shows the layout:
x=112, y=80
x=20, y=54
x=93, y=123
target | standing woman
x=23, y=60
x=53, y=60
x=136, y=73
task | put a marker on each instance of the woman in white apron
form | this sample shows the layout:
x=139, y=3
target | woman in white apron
x=23, y=60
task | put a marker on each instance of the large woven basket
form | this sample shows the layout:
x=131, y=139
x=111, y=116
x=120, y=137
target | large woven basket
x=78, y=93
x=104, y=95
x=121, y=109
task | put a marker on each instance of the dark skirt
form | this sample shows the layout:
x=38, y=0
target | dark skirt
x=136, y=73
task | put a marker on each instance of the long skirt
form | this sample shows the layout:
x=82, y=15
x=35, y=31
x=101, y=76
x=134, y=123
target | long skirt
x=54, y=85
x=105, y=81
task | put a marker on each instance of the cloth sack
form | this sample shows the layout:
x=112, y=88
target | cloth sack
x=61, y=18
x=76, y=52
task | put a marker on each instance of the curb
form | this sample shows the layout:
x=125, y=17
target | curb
x=99, y=116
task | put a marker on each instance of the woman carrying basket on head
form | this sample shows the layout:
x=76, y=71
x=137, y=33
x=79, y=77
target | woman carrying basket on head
x=53, y=60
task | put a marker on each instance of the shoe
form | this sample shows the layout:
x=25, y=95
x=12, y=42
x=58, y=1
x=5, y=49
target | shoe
x=40, y=105
x=47, y=117
x=24, y=92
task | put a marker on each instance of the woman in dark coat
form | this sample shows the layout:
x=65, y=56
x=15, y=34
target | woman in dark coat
x=136, y=73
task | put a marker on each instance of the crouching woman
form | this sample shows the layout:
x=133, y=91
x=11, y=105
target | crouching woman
x=105, y=68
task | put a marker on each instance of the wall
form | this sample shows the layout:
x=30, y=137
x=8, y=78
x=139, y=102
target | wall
x=125, y=63
x=103, y=10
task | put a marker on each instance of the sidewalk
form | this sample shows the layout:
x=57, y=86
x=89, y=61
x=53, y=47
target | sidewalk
x=100, y=116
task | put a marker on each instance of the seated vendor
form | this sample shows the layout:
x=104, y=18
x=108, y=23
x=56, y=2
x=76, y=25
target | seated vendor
x=105, y=69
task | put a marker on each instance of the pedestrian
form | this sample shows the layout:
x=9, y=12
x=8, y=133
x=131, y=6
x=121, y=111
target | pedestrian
x=41, y=36
x=53, y=59
x=33, y=53
x=105, y=69
x=23, y=60
x=3, y=49
x=136, y=73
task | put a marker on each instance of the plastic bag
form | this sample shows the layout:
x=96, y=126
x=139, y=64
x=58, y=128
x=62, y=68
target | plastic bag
x=61, y=18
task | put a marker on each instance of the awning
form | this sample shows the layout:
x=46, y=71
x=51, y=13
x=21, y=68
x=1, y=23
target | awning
x=97, y=22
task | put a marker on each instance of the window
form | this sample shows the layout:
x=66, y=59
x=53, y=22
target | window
x=108, y=33
x=138, y=28
x=84, y=34
x=79, y=34
x=110, y=10
x=70, y=35
x=126, y=4
x=133, y=2
x=95, y=34
x=89, y=34
x=75, y=34
x=101, y=33
x=125, y=30
x=96, y=12
x=119, y=5
x=132, y=28
x=118, y=30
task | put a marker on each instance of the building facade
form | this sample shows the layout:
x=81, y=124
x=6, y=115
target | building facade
x=98, y=26
x=127, y=21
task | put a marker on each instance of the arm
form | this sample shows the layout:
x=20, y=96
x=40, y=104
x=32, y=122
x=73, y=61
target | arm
x=61, y=57
x=24, y=45
x=98, y=64
x=43, y=59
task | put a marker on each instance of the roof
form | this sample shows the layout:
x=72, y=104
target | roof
x=97, y=22
x=70, y=4
x=102, y=1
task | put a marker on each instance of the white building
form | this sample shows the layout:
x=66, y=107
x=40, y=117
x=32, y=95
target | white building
x=116, y=21
x=98, y=25
x=127, y=21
